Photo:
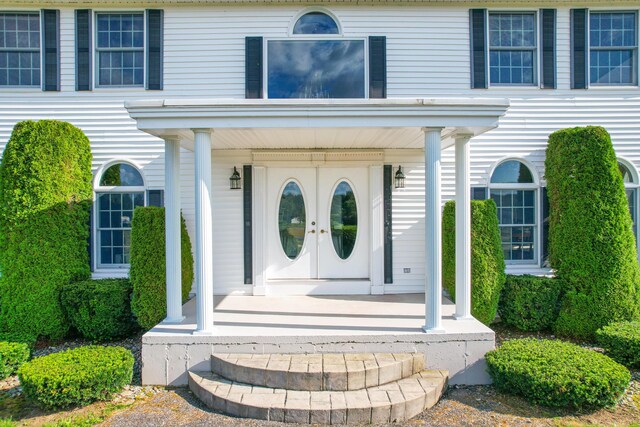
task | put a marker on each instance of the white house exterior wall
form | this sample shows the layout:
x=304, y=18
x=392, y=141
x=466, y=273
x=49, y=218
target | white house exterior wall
x=427, y=57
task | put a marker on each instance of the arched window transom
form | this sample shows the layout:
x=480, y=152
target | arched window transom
x=120, y=191
x=627, y=177
x=316, y=23
x=512, y=188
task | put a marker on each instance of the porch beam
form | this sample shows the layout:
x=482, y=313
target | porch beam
x=463, y=227
x=172, y=227
x=433, y=231
x=204, y=233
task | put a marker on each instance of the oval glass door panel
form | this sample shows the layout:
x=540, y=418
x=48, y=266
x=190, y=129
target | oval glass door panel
x=292, y=220
x=344, y=220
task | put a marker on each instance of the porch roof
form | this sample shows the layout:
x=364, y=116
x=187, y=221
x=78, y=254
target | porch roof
x=306, y=123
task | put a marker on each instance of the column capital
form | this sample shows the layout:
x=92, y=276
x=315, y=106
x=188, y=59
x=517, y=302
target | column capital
x=171, y=138
x=202, y=130
x=432, y=129
x=462, y=136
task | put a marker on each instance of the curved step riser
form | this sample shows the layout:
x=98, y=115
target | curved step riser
x=317, y=372
x=397, y=401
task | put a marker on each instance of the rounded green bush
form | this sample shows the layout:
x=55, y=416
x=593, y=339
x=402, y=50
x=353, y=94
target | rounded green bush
x=557, y=373
x=591, y=242
x=487, y=258
x=45, y=200
x=77, y=376
x=99, y=309
x=530, y=303
x=147, y=272
x=621, y=341
x=12, y=356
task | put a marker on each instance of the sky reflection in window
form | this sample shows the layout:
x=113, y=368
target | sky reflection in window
x=316, y=69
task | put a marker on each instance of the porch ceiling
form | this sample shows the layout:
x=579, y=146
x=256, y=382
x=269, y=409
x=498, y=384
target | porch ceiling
x=316, y=124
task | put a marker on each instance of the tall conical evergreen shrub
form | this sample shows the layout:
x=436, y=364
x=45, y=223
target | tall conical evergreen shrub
x=45, y=200
x=591, y=242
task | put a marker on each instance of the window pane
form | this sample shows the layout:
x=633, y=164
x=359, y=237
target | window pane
x=292, y=220
x=316, y=69
x=517, y=219
x=344, y=220
x=509, y=63
x=315, y=23
x=512, y=172
x=123, y=66
x=512, y=30
x=613, y=41
x=121, y=174
x=114, y=226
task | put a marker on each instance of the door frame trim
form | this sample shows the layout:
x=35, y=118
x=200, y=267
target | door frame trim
x=373, y=160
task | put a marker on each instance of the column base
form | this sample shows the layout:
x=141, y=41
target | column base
x=201, y=333
x=172, y=320
x=463, y=317
x=428, y=330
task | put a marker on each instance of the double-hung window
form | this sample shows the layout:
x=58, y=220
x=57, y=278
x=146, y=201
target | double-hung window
x=613, y=41
x=20, y=49
x=120, y=50
x=512, y=48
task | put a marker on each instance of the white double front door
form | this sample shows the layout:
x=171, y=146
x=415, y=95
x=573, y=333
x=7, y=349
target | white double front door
x=318, y=223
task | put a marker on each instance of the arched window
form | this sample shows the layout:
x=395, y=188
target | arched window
x=119, y=191
x=631, y=188
x=514, y=190
x=316, y=23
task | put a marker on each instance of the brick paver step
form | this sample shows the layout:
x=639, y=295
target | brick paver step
x=317, y=372
x=398, y=400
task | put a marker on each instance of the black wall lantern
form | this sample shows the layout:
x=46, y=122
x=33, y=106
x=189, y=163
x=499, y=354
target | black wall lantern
x=234, y=180
x=400, y=178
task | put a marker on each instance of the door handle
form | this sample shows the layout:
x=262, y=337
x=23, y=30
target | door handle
x=312, y=231
x=322, y=231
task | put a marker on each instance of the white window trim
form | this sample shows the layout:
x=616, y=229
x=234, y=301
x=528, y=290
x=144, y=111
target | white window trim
x=636, y=69
x=537, y=243
x=40, y=52
x=110, y=270
x=536, y=56
x=94, y=47
x=303, y=12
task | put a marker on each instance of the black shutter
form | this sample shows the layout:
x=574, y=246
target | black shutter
x=90, y=239
x=388, y=229
x=51, y=49
x=155, y=198
x=548, y=33
x=579, y=48
x=253, y=67
x=83, y=49
x=247, y=204
x=479, y=193
x=545, y=227
x=377, y=67
x=478, y=32
x=154, y=48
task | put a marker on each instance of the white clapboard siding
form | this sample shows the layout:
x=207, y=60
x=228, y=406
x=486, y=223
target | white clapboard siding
x=427, y=57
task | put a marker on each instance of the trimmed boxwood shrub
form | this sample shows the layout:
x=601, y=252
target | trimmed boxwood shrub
x=530, y=303
x=591, y=242
x=27, y=339
x=45, y=200
x=557, y=373
x=12, y=356
x=147, y=273
x=77, y=376
x=621, y=341
x=487, y=258
x=99, y=309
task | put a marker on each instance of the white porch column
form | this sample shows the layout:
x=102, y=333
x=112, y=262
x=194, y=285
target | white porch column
x=463, y=229
x=172, y=227
x=204, y=233
x=433, y=231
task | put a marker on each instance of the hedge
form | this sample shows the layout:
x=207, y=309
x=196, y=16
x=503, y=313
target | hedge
x=99, y=309
x=530, y=303
x=557, y=373
x=487, y=258
x=621, y=342
x=147, y=272
x=77, y=376
x=45, y=200
x=28, y=339
x=12, y=356
x=591, y=243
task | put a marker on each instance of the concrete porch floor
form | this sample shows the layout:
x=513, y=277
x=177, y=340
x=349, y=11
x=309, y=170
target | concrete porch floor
x=317, y=324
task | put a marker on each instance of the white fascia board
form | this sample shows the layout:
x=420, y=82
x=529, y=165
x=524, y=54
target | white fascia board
x=462, y=3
